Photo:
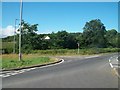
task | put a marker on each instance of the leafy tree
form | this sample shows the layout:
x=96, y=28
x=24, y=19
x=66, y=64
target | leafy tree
x=112, y=38
x=93, y=34
x=63, y=39
x=28, y=35
x=28, y=28
x=80, y=40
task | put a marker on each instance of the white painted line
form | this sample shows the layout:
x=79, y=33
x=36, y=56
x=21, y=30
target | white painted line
x=111, y=65
x=117, y=58
x=52, y=64
x=32, y=68
x=92, y=56
x=5, y=75
x=25, y=70
x=14, y=73
x=21, y=71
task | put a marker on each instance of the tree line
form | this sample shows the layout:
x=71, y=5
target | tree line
x=94, y=35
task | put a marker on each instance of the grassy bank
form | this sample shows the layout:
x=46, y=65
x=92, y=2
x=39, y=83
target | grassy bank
x=35, y=57
x=89, y=51
x=10, y=61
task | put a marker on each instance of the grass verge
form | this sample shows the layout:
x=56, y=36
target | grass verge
x=88, y=51
x=10, y=61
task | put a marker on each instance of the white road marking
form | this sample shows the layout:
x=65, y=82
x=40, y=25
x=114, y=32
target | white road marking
x=111, y=65
x=10, y=73
x=114, y=66
x=14, y=73
x=111, y=61
x=117, y=58
x=92, y=56
x=52, y=64
x=6, y=76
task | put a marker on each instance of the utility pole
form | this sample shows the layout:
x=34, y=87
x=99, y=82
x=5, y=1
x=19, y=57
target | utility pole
x=20, y=54
x=14, y=46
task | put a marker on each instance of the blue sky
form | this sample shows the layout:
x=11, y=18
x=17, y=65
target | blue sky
x=57, y=16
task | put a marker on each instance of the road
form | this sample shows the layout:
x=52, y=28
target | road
x=74, y=72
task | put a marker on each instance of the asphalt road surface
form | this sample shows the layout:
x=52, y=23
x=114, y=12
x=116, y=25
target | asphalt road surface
x=74, y=72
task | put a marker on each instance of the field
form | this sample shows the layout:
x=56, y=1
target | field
x=10, y=61
x=87, y=51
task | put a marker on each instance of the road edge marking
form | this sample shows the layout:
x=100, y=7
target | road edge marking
x=111, y=65
x=62, y=60
x=25, y=70
x=116, y=72
x=110, y=62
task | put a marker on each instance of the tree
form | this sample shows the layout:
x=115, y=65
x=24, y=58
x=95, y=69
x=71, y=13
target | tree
x=80, y=40
x=28, y=28
x=112, y=38
x=118, y=40
x=93, y=34
x=63, y=40
x=28, y=35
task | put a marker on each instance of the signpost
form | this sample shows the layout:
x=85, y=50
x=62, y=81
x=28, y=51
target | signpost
x=78, y=47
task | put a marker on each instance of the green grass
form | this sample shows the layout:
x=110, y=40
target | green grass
x=10, y=61
x=88, y=51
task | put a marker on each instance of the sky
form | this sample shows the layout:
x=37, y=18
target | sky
x=57, y=16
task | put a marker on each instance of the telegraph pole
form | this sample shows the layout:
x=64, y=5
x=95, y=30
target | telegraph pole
x=14, y=46
x=20, y=54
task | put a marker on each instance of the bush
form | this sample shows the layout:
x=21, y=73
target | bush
x=7, y=47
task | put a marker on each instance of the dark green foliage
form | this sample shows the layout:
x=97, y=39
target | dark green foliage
x=118, y=43
x=112, y=38
x=63, y=39
x=7, y=47
x=94, y=36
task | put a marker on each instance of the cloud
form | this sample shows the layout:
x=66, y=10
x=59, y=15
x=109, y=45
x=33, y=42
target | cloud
x=8, y=31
